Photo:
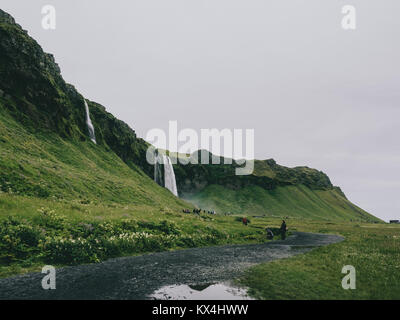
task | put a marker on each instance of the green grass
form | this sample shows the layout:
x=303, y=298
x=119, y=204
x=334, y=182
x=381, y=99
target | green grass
x=373, y=249
x=293, y=201
x=35, y=232
x=46, y=166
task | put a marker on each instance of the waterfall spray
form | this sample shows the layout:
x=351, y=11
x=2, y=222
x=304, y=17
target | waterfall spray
x=89, y=124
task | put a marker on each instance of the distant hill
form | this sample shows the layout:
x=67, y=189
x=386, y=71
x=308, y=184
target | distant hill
x=271, y=190
x=45, y=151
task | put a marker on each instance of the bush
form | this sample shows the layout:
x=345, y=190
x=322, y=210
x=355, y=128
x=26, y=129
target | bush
x=53, y=239
x=164, y=227
x=68, y=251
x=18, y=239
x=50, y=219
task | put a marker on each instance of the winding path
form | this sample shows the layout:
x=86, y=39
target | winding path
x=137, y=277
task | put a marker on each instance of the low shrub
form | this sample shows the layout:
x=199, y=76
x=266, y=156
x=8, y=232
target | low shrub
x=18, y=239
x=51, y=238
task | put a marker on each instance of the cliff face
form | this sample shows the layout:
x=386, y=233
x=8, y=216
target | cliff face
x=51, y=112
x=120, y=138
x=267, y=174
x=32, y=86
x=45, y=149
x=35, y=94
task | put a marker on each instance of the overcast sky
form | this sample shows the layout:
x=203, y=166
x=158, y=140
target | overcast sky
x=315, y=94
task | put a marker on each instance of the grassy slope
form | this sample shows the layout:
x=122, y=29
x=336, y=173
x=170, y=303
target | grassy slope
x=373, y=249
x=60, y=225
x=44, y=165
x=292, y=201
x=53, y=189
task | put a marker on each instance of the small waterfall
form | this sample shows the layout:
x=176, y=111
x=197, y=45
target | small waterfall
x=89, y=124
x=169, y=176
x=168, y=179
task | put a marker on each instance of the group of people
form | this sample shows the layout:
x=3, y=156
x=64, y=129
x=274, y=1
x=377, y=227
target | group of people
x=198, y=211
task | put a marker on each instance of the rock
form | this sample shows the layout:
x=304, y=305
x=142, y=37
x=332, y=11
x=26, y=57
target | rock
x=6, y=17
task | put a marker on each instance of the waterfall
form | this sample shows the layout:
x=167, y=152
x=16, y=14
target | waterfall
x=89, y=124
x=169, y=176
x=168, y=180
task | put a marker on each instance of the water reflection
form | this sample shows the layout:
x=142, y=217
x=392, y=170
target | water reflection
x=209, y=291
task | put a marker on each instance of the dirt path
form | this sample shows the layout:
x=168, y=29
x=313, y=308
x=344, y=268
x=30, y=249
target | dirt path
x=137, y=277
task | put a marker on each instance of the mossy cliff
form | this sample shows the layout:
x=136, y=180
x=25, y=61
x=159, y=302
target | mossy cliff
x=46, y=151
x=267, y=174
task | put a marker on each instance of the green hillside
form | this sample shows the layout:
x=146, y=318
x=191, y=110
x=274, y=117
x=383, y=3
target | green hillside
x=46, y=152
x=44, y=145
x=271, y=190
x=46, y=166
x=290, y=201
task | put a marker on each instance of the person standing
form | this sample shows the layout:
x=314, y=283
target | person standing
x=283, y=230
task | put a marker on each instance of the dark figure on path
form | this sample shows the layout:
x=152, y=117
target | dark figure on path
x=270, y=234
x=283, y=230
x=245, y=221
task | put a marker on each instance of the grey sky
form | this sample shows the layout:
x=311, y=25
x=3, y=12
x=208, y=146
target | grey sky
x=315, y=94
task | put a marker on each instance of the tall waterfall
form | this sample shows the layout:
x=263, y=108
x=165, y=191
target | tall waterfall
x=169, y=176
x=89, y=124
x=168, y=180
